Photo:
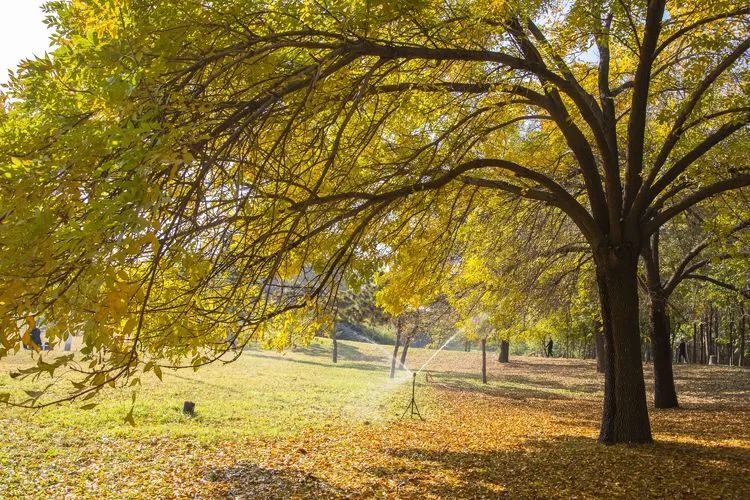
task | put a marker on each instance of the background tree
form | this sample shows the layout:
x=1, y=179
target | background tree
x=691, y=254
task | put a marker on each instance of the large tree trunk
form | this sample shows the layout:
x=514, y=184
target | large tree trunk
x=484, y=360
x=407, y=342
x=395, y=354
x=607, y=429
x=665, y=395
x=599, y=345
x=504, y=351
x=625, y=413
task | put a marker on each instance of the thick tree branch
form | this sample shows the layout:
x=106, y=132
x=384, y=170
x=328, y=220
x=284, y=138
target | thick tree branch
x=706, y=192
x=639, y=101
x=719, y=283
x=691, y=156
x=568, y=205
x=742, y=11
x=575, y=139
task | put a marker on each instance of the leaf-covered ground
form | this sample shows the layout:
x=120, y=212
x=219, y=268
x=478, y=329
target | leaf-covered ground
x=293, y=425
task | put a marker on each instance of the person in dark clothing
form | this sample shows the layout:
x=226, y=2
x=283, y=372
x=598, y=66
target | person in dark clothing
x=549, y=348
x=682, y=352
x=36, y=337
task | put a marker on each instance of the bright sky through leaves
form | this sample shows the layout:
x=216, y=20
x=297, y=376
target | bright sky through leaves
x=22, y=33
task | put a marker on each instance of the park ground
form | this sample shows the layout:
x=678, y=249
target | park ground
x=293, y=425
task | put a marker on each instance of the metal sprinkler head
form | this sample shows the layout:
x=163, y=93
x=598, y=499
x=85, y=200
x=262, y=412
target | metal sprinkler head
x=412, y=408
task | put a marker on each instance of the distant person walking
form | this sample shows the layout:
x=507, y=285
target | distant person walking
x=36, y=337
x=682, y=352
x=549, y=348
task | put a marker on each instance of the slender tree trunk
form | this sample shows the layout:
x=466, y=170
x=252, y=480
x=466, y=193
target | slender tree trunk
x=504, y=348
x=625, y=414
x=395, y=354
x=599, y=345
x=335, y=345
x=731, y=341
x=407, y=342
x=484, y=360
x=742, y=335
x=695, y=342
x=717, y=353
x=710, y=331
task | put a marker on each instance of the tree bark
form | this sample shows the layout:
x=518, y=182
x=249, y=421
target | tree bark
x=625, y=413
x=504, y=348
x=407, y=342
x=607, y=429
x=395, y=354
x=695, y=342
x=731, y=342
x=484, y=360
x=665, y=395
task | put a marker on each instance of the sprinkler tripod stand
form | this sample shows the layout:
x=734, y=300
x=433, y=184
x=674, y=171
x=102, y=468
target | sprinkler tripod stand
x=413, y=403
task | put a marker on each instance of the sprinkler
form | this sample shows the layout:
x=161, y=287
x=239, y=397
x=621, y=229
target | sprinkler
x=413, y=403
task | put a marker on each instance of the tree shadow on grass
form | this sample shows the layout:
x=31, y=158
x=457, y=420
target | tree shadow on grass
x=346, y=352
x=342, y=364
x=573, y=467
x=513, y=386
x=248, y=480
x=546, y=366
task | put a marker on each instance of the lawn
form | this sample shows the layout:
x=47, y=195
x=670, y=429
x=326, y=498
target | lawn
x=292, y=424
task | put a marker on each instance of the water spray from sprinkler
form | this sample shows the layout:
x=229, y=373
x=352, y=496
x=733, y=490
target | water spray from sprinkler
x=412, y=407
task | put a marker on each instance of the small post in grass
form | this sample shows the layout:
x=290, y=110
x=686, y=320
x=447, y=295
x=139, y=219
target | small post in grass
x=188, y=408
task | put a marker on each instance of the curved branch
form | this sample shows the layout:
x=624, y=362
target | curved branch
x=691, y=156
x=677, y=127
x=567, y=204
x=701, y=22
x=719, y=283
x=660, y=219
